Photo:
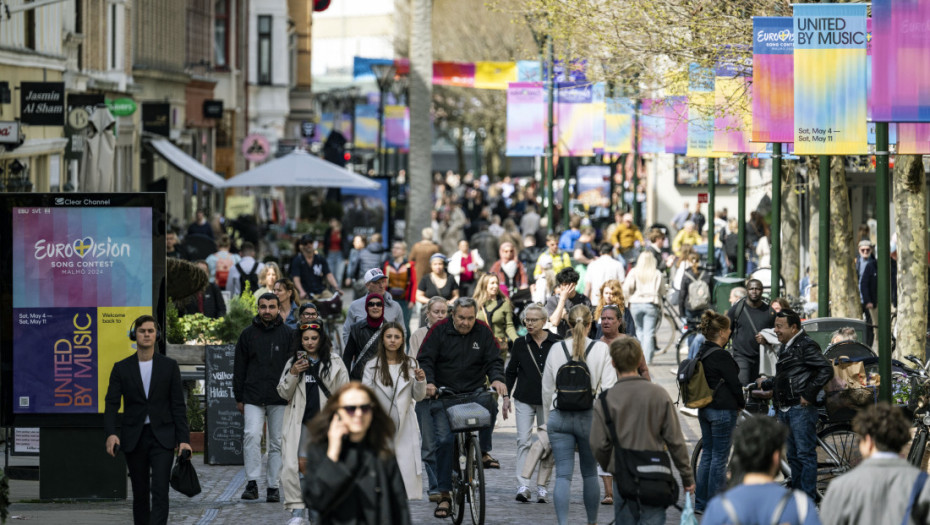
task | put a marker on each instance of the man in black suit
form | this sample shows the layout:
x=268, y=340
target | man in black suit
x=154, y=420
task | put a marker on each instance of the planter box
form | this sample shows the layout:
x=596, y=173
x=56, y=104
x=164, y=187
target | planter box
x=197, y=441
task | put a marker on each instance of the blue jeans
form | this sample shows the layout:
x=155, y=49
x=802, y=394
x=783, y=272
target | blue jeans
x=802, y=446
x=695, y=345
x=427, y=447
x=444, y=439
x=623, y=512
x=334, y=260
x=567, y=430
x=717, y=433
x=645, y=316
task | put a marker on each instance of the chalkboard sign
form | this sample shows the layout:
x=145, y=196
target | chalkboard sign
x=223, y=440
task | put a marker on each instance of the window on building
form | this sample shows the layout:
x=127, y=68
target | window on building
x=29, y=27
x=221, y=34
x=292, y=55
x=264, y=49
x=115, y=40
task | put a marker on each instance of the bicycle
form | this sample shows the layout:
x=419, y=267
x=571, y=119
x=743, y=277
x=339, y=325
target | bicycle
x=466, y=417
x=837, y=448
x=670, y=314
x=683, y=343
x=330, y=312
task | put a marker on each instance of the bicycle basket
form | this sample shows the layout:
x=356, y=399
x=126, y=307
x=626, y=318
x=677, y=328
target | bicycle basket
x=329, y=307
x=468, y=416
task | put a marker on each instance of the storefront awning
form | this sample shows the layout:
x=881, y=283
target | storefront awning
x=186, y=163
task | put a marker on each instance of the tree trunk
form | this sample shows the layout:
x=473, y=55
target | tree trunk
x=844, y=283
x=813, y=201
x=460, y=149
x=790, y=229
x=421, y=139
x=910, y=226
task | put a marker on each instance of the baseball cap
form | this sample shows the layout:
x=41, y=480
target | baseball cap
x=865, y=243
x=375, y=274
x=306, y=239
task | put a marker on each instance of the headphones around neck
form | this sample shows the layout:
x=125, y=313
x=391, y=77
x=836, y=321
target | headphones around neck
x=144, y=319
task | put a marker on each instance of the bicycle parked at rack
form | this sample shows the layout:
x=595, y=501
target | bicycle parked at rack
x=466, y=417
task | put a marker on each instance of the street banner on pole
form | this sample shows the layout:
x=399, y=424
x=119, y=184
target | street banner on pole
x=901, y=83
x=913, y=138
x=495, y=75
x=526, y=119
x=575, y=119
x=701, y=112
x=676, y=125
x=366, y=126
x=397, y=127
x=618, y=126
x=772, y=79
x=733, y=120
x=461, y=74
x=830, y=79
x=599, y=109
x=652, y=126
x=529, y=71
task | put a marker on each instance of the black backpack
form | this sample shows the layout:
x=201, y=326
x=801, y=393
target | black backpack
x=573, y=392
x=251, y=278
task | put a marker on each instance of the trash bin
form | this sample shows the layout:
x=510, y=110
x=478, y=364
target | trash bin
x=722, y=289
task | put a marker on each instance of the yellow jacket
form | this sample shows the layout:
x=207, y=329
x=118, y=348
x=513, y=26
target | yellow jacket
x=684, y=237
x=625, y=236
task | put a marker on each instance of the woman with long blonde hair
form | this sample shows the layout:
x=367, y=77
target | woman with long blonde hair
x=495, y=309
x=644, y=288
x=569, y=429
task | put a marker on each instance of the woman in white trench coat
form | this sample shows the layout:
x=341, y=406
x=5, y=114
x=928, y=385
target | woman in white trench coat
x=306, y=382
x=399, y=383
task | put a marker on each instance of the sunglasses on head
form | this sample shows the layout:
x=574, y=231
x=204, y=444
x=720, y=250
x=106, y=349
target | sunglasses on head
x=353, y=409
x=315, y=326
x=375, y=303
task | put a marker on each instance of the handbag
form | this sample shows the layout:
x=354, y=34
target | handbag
x=184, y=477
x=643, y=476
x=687, y=514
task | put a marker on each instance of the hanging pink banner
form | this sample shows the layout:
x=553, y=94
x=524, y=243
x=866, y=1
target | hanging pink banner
x=575, y=119
x=526, y=119
x=676, y=125
x=913, y=138
x=901, y=47
x=773, y=79
x=652, y=126
x=397, y=127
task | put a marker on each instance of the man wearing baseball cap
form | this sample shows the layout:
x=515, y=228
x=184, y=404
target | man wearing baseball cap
x=375, y=282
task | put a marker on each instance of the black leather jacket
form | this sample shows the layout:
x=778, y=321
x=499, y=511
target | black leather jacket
x=802, y=370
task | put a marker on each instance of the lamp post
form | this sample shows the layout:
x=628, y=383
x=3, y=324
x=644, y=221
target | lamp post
x=384, y=73
x=546, y=68
x=399, y=87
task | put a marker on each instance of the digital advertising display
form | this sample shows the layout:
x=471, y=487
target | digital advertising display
x=80, y=269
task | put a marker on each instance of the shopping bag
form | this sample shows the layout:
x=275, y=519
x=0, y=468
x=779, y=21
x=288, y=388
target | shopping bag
x=184, y=477
x=687, y=514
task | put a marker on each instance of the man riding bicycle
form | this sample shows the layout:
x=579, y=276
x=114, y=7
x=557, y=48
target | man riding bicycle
x=460, y=355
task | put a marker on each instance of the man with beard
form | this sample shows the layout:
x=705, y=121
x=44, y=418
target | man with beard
x=748, y=318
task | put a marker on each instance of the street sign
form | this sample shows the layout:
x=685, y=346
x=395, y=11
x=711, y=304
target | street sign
x=10, y=132
x=255, y=148
x=42, y=103
x=213, y=109
x=702, y=198
x=122, y=107
x=156, y=118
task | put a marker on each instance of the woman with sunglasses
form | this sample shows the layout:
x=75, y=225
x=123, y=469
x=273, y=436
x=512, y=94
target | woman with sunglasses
x=399, y=384
x=309, y=377
x=287, y=294
x=363, y=337
x=352, y=473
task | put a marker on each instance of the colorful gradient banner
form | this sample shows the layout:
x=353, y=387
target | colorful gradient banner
x=460, y=74
x=733, y=121
x=599, y=107
x=529, y=71
x=80, y=277
x=618, y=126
x=366, y=126
x=495, y=75
x=676, y=125
x=901, y=82
x=830, y=79
x=773, y=79
x=701, y=109
x=913, y=138
x=652, y=126
x=575, y=119
x=397, y=127
x=526, y=119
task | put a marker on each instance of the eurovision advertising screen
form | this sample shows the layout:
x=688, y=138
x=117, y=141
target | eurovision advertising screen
x=80, y=268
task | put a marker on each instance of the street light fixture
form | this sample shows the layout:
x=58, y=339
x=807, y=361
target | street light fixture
x=384, y=74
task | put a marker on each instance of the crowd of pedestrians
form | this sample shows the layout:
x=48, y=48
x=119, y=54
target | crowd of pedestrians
x=494, y=300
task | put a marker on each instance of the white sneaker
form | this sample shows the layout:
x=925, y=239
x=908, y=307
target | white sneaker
x=542, y=495
x=296, y=520
x=523, y=494
x=693, y=412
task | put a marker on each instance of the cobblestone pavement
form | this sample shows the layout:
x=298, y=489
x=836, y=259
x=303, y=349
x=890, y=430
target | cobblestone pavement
x=219, y=502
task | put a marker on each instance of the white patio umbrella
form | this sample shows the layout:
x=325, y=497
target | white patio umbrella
x=299, y=168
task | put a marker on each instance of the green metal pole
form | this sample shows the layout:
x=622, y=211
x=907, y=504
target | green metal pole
x=550, y=172
x=711, y=197
x=477, y=157
x=823, y=254
x=741, y=219
x=775, y=241
x=882, y=196
x=636, y=210
x=566, y=209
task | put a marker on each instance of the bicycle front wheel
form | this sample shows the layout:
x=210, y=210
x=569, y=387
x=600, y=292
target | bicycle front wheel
x=915, y=456
x=459, y=477
x=681, y=347
x=475, y=480
x=696, y=455
x=837, y=454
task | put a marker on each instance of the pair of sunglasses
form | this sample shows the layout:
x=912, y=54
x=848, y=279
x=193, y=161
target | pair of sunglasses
x=315, y=326
x=372, y=304
x=353, y=409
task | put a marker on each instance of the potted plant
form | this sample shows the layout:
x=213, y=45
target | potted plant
x=195, y=417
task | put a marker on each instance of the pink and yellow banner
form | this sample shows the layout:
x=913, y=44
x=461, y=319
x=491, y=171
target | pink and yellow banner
x=901, y=47
x=676, y=125
x=772, y=79
x=701, y=110
x=575, y=119
x=652, y=126
x=913, y=138
x=830, y=79
x=495, y=75
x=526, y=119
x=618, y=126
x=460, y=74
x=733, y=120
x=397, y=127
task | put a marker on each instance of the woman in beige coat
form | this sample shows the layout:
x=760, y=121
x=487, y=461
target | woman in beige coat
x=398, y=384
x=644, y=288
x=306, y=383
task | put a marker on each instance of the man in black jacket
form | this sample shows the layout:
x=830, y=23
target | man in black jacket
x=459, y=354
x=748, y=318
x=801, y=372
x=154, y=420
x=261, y=354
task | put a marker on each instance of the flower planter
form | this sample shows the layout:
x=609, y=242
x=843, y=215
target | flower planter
x=197, y=441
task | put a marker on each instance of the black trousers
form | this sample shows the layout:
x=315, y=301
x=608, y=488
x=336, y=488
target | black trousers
x=149, y=470
x=748, y=368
